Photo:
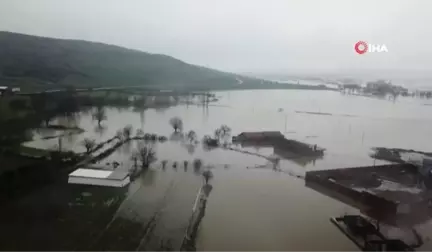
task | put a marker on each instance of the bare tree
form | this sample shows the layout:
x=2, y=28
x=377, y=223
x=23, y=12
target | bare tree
x=164, y=163
x=139, y=133
x=222, y=133
x=135, y=158
x=192, y=136
x=47, y=117
x=119, y=134
x=127, y=132
x=176, y=123
x=197, y=163
x=89, y=144
x=99, y=115
x=207, y=175
x=146, y=155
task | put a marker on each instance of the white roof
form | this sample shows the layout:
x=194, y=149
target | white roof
x=413, y=158
x=98, y=181
x=90, y=173
x=3, y=87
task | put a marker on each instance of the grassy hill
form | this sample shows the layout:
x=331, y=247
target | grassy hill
x=42, y=63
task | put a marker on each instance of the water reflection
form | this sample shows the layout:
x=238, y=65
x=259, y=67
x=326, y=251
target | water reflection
x=208, y=148
x=161, y=110
x=302, y=161
x=176, y=137
x=197, y=165
x=142, y=116
x=148, y=177
x=100, y=130
x=126, y=148
x=164, y=164
x=70, y=137
x=86, y=111
x=99, y=114
x=190, y=148
x=69, y=120
x=46, y=133
x=185, y=165
x=121, y=109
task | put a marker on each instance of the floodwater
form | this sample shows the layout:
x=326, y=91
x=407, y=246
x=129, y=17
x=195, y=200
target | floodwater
x=251, y=206
x=347, y=126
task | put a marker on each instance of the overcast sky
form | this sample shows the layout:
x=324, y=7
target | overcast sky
x=242, y=35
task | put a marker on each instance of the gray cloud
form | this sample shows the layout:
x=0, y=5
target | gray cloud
x=242, y=35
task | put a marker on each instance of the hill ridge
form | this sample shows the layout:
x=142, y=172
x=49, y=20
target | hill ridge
x=36, y=61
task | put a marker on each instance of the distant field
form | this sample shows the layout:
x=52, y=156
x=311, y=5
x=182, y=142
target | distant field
x=6, y=110
x=13, y=163
x=32, y=152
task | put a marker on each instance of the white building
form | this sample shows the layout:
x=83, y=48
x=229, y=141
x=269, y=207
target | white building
x=422, y=162
x=6, y=89
x=116, y=178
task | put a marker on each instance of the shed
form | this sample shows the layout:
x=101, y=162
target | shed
x=116, y=178
x=8, y=90
x=259, y=136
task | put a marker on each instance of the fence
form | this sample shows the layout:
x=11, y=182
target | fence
x=198, y=212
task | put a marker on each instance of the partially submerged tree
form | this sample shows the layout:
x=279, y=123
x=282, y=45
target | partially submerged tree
x=100, y=130
x=139, y=133
x=210, y=142
x=47, y=117
x=147, y=136
x=176, y=123
x=162, y=138
x=164, y=163
x=135, y=158
x=119, y=135
x=197, y=163
x=223, y=133
x=140, y=102
x=127, y=132
x=99, y=114
x=276, y=162
x=153, y=137
x=89, y=144
x=207, y=175
x=146, y=155
x=192, y=136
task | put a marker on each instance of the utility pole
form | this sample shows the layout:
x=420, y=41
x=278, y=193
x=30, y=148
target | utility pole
x=60, y=143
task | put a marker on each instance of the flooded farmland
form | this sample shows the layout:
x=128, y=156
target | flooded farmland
x=251, y=206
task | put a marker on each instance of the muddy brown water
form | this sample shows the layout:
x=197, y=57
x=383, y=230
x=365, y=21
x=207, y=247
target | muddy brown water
x=251, y=207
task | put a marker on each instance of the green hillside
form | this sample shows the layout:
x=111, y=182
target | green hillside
x=45, y=63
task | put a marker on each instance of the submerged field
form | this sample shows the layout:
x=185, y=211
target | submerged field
x=251, y=206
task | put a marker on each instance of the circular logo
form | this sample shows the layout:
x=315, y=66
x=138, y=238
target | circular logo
x=361, y=47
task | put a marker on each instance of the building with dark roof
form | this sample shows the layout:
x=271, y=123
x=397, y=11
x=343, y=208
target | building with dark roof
x=278, y=141
x=259, y=136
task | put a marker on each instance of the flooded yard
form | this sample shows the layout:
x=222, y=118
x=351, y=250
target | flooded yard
x=264, y=210
x=251, y=206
